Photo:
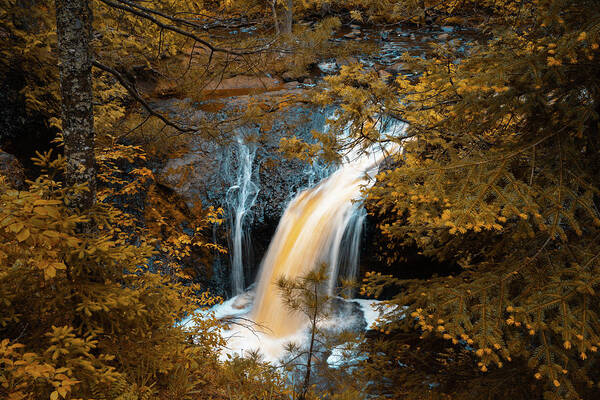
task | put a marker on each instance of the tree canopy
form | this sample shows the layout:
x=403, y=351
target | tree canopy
x=495, y=174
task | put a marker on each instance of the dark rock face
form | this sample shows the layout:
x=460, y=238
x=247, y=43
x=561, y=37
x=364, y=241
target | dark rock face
x=208, y=170
x=11, y=168
x=209, y=173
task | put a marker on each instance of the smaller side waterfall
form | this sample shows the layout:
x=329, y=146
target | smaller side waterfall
x=240, y=198
x=350, y=258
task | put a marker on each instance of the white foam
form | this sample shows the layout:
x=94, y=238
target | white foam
x=369, y=311
x=243, y=336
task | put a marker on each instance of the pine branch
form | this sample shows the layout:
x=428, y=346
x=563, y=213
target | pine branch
x=147, y=13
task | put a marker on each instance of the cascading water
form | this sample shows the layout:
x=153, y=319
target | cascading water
x=321, y=224
x=240, y=198
x=350, y=256
x=310, y=233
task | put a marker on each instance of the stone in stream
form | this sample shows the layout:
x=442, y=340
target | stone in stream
x=288, y=77
x=328, y=67
x=384, y=75
x=346, y=61
x=398, y=68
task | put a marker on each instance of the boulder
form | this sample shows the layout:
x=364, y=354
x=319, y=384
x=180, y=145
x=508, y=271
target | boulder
x=288, y=77
x=398, y=68
x=11, y=168
x=384, y=75
x=328, y=67
x=346, y=61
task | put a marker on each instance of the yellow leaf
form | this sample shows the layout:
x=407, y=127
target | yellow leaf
x=16, y=227
x=59, y=265
x=49, y=272
x=23, y=235
x=54, y=395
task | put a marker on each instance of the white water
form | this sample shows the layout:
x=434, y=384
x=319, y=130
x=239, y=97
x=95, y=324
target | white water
x=350, y=256
x=240, y=197
x=243, y=337
x=322, y=224
x=310, y=233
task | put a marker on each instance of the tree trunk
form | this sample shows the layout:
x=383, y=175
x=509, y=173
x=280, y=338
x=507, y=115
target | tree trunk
x=74, y=30
x=275, y=18
x=288, y=17
x=306, y=383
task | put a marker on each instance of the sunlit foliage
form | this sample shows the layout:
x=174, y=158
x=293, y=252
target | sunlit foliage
x=497, y=174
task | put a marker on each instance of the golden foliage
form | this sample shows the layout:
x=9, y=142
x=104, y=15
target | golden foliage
x=84, y=315
x=498, y=175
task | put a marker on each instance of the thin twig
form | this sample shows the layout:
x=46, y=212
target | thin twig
x=136, y=95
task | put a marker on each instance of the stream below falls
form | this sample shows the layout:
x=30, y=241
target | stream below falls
x=321, y=225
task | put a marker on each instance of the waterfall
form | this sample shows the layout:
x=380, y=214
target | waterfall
x=240, y=198
x=350, y=256
x=311, y=232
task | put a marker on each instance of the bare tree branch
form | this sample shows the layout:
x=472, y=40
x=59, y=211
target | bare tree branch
x=148, y=13
x=136, y=95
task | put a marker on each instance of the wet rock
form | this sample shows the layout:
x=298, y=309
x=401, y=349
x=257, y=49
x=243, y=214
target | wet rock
x=383, y=74
x=11, y=168
x=328, y=67
x=345, y=315
x=291, y=85
x=207, y=172
x=398, y=68
x=367, y=62
x=287, y=77
x=346, y=61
